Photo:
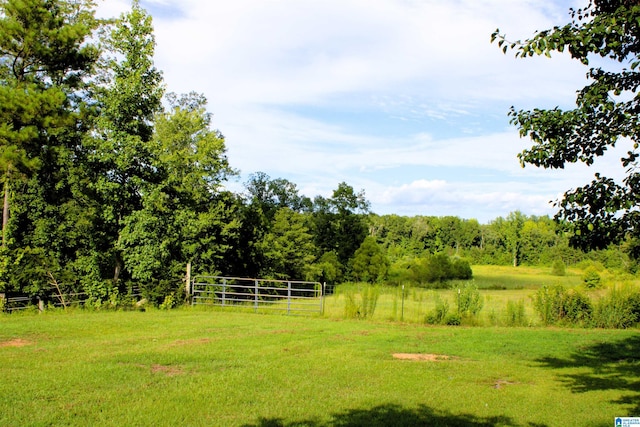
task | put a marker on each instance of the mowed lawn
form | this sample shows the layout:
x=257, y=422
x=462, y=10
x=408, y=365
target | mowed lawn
x=223, y=368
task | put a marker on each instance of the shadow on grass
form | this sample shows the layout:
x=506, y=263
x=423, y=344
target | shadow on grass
x=604, y=366
x=397, y=416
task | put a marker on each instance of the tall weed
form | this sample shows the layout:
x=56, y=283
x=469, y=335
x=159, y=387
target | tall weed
x=548, y=302
x=469, y=301
x=515, y=314
x=617, y=310
x=363, y=307
x=439, y=313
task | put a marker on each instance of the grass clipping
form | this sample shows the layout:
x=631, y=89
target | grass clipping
x=422, y=357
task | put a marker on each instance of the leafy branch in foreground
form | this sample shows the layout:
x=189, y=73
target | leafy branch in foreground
x=606, y=114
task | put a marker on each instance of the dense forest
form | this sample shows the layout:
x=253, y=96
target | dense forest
x=111, y=183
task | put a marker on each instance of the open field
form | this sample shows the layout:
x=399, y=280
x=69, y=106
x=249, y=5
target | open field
x=498, y=285
x=211, y=367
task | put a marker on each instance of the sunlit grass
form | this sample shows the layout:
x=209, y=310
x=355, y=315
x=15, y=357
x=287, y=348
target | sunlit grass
x=226, y=368
x=498, y=286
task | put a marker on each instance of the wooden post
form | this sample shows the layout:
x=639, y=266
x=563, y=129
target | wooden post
x=188, y=284
x=256, y=290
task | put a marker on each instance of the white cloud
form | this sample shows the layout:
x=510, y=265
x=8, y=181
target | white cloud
x=406, y=99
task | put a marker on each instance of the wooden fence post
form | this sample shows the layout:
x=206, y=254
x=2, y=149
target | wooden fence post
x=188, y=284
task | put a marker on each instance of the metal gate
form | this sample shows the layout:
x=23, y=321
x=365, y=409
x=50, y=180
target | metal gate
x=292, y=296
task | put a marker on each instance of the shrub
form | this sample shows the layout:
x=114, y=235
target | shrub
x=470, y=301
x=591, y=278
x=577, y=308
x=439, y=313
x=558, y=268
x=548, y=303
x=615, y=310
x=453, y=320
x=366, y=306
x=370, y=295
x=169, y=302
x=436, y=270
x=515, y=314
x=461, y=269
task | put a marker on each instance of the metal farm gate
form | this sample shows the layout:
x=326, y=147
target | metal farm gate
x=292, y=296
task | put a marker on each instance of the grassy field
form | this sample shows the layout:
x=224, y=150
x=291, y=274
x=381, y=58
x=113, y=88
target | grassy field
x=223, y=368
x=498, y=285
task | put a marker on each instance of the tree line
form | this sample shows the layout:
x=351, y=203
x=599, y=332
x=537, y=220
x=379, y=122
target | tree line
x=110, y=183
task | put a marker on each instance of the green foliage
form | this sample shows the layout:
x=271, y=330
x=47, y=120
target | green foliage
x=515, y=314
x=360, y=300
x=453, y=319
x=591, y=278
x=577, y=308
x=439, y=313
x=618, y=309
x=288, y=248
x=558, y=268
x=369, y=263
x=469, y=301
x=461, y=269
x=169, y=302
x=548, y=303
x=605, y=210
x=434, y=271
x=339, y=223
x=329, y=267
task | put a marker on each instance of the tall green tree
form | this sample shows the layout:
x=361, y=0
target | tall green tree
x=288, y=247
x=606, y=115
x=46, y=60
x=370, y=263
x=340, y=221
x=129, y=94
x=185, y=215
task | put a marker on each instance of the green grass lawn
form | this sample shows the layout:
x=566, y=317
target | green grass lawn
x=226, y=368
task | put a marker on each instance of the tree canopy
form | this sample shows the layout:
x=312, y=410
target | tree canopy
x=606, y=115
x=111, y=184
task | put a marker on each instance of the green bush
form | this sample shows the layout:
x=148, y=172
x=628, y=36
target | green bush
x=461, y=269
x=365, y=306
x=558, y=268
x=548, y=303
x=591, y=278
x=439, y=313
x=577, y=308
x=616, y=310
x=453, y=319
x=515, y=314
x=469, y=301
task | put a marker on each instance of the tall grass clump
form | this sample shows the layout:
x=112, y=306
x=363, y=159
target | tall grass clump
x=619, y=309
x=439, y=313
x=469, y=301
x=547, y=303
x=515, y=314
x=558, y=268
x=361, y=301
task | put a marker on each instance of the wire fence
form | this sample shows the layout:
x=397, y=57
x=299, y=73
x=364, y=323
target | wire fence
x=292, y=296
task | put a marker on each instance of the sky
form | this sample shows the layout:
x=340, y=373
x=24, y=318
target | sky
x=404, y=99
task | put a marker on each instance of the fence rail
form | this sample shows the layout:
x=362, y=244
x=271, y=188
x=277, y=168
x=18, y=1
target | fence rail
x=292, y=296
x=15, y=302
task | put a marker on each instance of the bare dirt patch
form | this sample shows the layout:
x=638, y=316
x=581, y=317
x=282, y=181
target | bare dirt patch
x=170, y=371
x=498, y=384
x=18, y=342
x=422, y=357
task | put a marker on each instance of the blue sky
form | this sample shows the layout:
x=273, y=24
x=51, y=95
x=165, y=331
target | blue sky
x=404, y=99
